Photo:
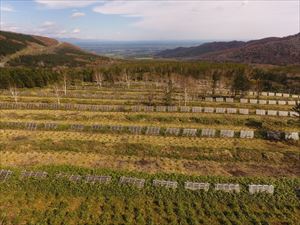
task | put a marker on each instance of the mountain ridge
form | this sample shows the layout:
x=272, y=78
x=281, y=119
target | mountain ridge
x=271, y=50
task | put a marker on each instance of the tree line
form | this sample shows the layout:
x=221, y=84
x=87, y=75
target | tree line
x=239, y=77
x=39, y=77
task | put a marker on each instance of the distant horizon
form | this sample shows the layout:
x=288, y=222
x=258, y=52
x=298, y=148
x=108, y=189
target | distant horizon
x=149, y=41
x=174, y=40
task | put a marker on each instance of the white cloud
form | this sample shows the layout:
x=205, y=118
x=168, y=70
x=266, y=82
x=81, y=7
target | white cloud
x=245, y=2
x=6, y=8
x=76, y=31
x=61, y=4
x=206, y=19
x=10, y=27
x=77, y=14
x=184, y=19
x=50, y=30
x=48, y=24
x=63, y=32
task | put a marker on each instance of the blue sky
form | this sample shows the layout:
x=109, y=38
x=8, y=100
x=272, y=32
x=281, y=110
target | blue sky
x=152, y=20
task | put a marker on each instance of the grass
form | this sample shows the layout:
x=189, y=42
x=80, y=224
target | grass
x=138, y=99
x=172, y=154
x=225, y=151
x=79, y=203
x=214, y=143
x=212, y=160
x=194, y=120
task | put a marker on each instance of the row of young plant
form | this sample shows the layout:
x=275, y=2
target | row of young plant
x=56, y=203
x=217, y=151
x=252, y=122
x=285, y=188
x=162, y=131
x=135, y=106
x=155, y=94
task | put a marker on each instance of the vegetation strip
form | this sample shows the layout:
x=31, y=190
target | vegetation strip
x=205, y=132
x=140, y=108
x=6, y=175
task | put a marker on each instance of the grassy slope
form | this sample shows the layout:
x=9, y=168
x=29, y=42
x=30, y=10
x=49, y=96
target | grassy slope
x=12, y=42
x=188, y=154
x=27, y=50
x=65, y=54
x=180, y=158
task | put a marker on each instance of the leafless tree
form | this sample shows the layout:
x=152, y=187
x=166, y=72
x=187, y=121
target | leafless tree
x=216, y=76
x=256, y=81
x=258, y=87
x=62, y=71
x=14, y=93
x=127, y=78
x=57, y=93
x=65, y=83
x=98, y=76
x=187, y=84
x=151, y=97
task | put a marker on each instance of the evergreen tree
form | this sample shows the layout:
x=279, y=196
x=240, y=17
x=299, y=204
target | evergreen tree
x=240, y=82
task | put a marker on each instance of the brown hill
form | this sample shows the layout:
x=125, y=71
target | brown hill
x=30, y=50
x=46, y=41
x=197, y=51
x=277, y=51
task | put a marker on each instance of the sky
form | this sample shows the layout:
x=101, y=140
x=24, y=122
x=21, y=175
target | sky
x=152, y=20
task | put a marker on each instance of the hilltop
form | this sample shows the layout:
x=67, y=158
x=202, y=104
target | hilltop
x=273, y=50
x=30, y=50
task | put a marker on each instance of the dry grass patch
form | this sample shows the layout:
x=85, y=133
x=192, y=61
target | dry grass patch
x=146, y=164
x=112, y=139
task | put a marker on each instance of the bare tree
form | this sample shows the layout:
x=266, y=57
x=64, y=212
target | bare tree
x=185, y=95
x=169, y=91
x=187, y=84
x=215, y=79
x=184, y=85
x=14, y=93
x=156, y=84
x=65, y=80
x=98, y=76
x=151, y=97
x=62, y=71
x=256, y=80
x=258, y=87
x=127, y=78
x=145, y=79
x=57, y=93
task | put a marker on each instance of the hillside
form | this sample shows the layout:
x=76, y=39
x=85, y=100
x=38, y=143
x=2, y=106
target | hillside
x=29, y=50
x=104, y=155
x=277, y=51
x=199, y=50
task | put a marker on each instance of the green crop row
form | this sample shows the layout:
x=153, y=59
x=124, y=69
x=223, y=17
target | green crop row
x=52, y=201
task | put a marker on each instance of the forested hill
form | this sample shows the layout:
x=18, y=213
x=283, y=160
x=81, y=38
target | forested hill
x=276, y=51
x=29, y=50
x=182, y=52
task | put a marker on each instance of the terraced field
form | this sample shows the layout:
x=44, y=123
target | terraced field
x=124, y=141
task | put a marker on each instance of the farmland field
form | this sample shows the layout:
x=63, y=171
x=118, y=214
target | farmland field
x=191, y=116
x=120, y=143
